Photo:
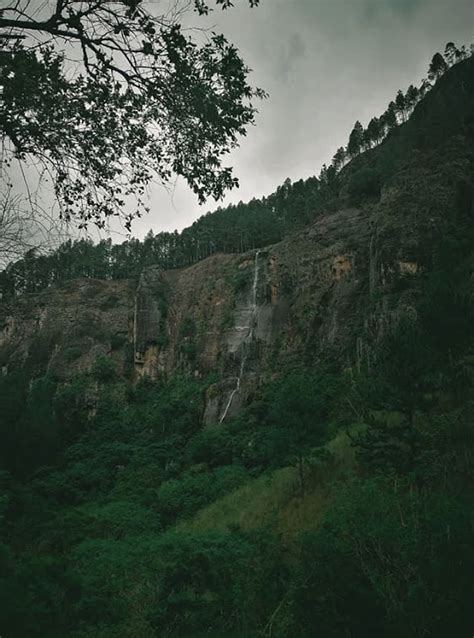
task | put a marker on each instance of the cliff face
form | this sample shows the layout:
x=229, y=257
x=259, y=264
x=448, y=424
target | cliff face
x=64, y=329
x=332, y=289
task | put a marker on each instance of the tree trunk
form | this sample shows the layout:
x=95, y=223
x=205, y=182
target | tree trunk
x=301, y=473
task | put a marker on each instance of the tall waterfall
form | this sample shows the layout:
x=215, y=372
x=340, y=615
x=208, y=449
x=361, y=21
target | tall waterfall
x=250, y=328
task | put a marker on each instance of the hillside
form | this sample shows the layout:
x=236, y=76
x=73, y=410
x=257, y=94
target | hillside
x=328, y=290
x=356, y=174
x=276, y=442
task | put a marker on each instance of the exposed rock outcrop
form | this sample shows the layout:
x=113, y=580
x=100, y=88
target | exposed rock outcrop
x=64, y=329
x=331, y=289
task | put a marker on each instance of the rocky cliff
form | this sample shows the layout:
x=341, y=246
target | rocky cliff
x=329, y=290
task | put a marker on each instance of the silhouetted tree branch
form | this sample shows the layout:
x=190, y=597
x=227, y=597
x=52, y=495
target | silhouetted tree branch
x=108, y=96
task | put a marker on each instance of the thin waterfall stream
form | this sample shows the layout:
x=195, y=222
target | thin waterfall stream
x=247, y=339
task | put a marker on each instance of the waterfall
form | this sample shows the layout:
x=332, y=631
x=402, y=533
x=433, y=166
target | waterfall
x=247, y=339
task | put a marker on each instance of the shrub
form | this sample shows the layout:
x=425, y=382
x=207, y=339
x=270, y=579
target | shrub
x=364, y=184
x=187, y=328
x=103, y=369
x=117, y=341
x=181, y=498
x=72, y=353
x=241, y=280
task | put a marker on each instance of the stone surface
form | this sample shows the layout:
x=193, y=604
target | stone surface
x=331, y=289
x=62, y=330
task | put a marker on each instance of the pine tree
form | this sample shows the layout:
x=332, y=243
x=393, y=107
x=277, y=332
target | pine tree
x=437, y=67
x=400, y=104
x=411, y=98
x=356, y=140
x=451, y=53
x=390, y=116
x=339, y=158
x=374, y=130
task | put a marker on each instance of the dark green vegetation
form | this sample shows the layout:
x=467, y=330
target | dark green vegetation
x=338, y=503
x=265, y=221
x=122, y=517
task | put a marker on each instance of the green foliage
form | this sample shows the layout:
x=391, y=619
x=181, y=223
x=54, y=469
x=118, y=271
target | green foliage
x=298, y=416
x=241, y=280
x=72, y=353
x=103, y=369
x=364, y=184
x=187, y=328
x=389, y=444
x=119, y=519
x=393, y=548
x=335, y=504
x=190, y=101
x=185, y=496
x=30, y=430
x=186, y=584
x=212, y=446
x=117, y=341
x=99, y=556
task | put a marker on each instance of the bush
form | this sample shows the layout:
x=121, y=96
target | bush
x=241, y=279
x=103, y=369
x=117, y=341
x=72, y=353
x=187, y=328
x=119, y=519
x=364, y=184
x=213, y=446
x=183, y=497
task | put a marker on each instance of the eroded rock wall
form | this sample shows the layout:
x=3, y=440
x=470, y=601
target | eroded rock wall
x=331, y=289
x=62, y=330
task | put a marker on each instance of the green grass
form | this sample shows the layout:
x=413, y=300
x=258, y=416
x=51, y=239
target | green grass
x=274, y=498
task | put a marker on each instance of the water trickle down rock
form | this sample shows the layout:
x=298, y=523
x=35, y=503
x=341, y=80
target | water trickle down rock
x=149, y=316
x=246, y=332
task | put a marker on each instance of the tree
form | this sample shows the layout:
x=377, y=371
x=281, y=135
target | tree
x=14, y=235
x=462, y=53
x=364, y=184
x=298, y=416
x=367, y=141
x=22, y=230
x=374, y=130
x=389, y=118
x=356, y=139
x=142, y=99
x=339, y=158
x=451, y=53
x=437, y=67
x=411, y=98
x=400, y=104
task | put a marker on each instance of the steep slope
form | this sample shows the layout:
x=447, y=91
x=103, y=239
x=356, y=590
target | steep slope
x=329, y=290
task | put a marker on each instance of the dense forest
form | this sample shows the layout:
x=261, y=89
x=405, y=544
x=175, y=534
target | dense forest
x=236, y=228
x=336, y=502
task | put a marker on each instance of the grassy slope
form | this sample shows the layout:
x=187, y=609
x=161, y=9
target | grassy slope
x=274, y=499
